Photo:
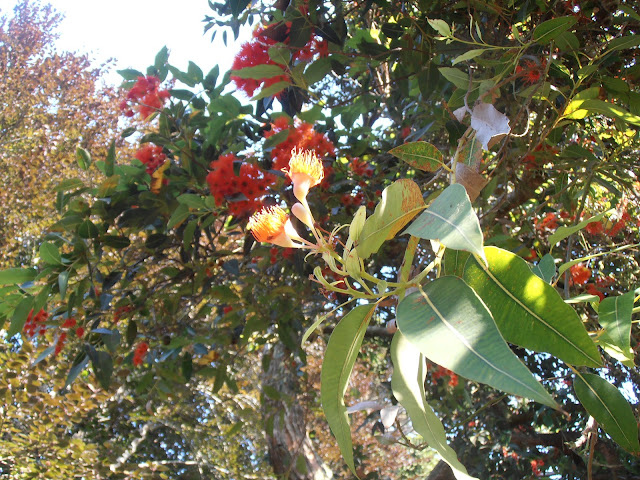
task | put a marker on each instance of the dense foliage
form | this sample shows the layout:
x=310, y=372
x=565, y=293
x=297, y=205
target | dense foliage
x=463, y=178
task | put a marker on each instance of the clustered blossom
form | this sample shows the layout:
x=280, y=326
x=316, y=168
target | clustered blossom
x=361, y=168
x=548, y=223
x=35, y=323
x=140, y=353
x=243, y=191
x=256, y=52
x=441, y=372
x=579, y=274
x=531, y=71
x=301, y=137
x=62, y=338
x=152, y=156
x=535, y=466
x=145, y=97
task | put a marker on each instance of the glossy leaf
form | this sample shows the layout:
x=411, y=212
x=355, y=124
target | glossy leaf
x=451, y=326
x=50, y=254
x=614, y=315
x=400, y=202
x=450, y=219
x=579, y=109
x=605, y=403
x=547, y=31
x=420, y=155
x=340, y=356
x=17, y=276
x=468, y=55
x=455, y=76
x=407, y=382
x=528, y=311
x=453, y=262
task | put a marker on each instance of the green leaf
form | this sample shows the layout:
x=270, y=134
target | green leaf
x=400, y=202
x=545, y=269
x=407, y=382
x=450, y=219
x=187, y=235
x=192, y=200
x=48, y=351
x=614, y=315
x=317, y=70
x=162, y=57
x=452, y=327
x=621, y=43
x=116, y=241
x=440, y=26
x=259, y=72
x=102, y=367
x=563, y=232
x=20, y=315
x=547, y=31
x=340, y=356
x=180, y=214
x=453, y=262
x=455, y=76
x=565, y=266
x=130, y=74
x=420, y=155
x=110, y=160
x=579, y=109
x=528, y=311
x=280, y=54
x=88, y=229
x=63, y=280
x=271, y=90
x=83, y=158
x=79, y=365
x=69, y=184
x=468, y=55
x=17, y=276
x=49, y=254
x=195, y=72
x=605, y=403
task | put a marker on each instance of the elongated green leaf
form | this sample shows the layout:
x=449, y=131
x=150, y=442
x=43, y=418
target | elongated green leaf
x=628, y=41
x=579, y=109
x=110, y=160
x=547, y=31
x=563, y=232
x=407, y=382
x=605, y=403
x=259, y=72
x=468, y=55
x=400, y=202
x=614, y=315
x=102, y=364
x=83, y=158
x=79, y=365
x=63, y=279
x=528, y=311
x=451, y=326
x=49, y=254
x=455, y=76
x=17, y=276
x=420, y=155
x=545, y=268
x=48, y=351
x=20, y=315
x=280, y=54
x=340, y=356
x=440, y=26
x=450, y=219
x=271, y=90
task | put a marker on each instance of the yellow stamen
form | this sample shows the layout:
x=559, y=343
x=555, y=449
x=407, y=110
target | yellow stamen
x=305, y=171
x=268, y=223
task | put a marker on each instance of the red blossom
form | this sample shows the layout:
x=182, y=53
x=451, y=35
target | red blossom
x=35, y=323
x=152, y=156
x=139, y=353
x=79, y=332
x=145, y=97
x=619, y=225
x=549, y=222
x=591, y=289
x=579, y=274
x=60, y=343
x=69, y=323
x=594, y=228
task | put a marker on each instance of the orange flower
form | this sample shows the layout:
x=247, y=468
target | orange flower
x=580, y=274
x=272, y=224
x=305, y=171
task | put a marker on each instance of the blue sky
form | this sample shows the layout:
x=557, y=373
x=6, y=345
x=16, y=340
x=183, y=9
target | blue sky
x=133, y=31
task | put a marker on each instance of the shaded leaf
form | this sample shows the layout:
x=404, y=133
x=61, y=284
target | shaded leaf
x=455, y=76
x=528, y=311
x=340, y=356
x=605, y=403
x=407, y=382
x=50, y=254
x=420, y=155
x=83, y=158
x=450, y=219
x=547, y=31
x=19, y=317
x=452, y=327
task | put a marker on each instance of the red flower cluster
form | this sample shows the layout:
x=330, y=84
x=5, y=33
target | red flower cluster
x=60, y=343
x=301, y=137
x=593, y=290
x=35, y=323
x=79, y=332
x=361, y=168
x=594, y=228
x=579, y=274
x=120, y=311
x=151, y=156
x=549, y=222
x=244, y=191
x=532, y=72
x=441, y=372
x=69, y=323
x=619, y=225
x=535, y=466
x=139, y=353
x=145, y=97
x=256, y=52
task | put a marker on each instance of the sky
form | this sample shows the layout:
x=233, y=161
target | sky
x=133, y=31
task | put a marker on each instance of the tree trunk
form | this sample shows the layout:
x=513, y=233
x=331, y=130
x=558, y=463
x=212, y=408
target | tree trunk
x=291, y=452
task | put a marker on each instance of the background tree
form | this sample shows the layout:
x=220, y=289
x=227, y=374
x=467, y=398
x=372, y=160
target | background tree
x=182, y=310
x=52, y=102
